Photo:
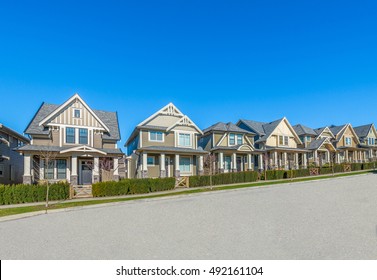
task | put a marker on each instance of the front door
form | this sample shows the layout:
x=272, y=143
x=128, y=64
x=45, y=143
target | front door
x=239, y=164
x=86, y=172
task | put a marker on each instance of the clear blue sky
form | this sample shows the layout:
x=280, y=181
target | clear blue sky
x=314, y=62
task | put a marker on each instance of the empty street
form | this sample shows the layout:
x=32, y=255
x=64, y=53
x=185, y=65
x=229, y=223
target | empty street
x=326, y=219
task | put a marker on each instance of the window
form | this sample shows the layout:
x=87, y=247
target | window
x=83, y=136
x=239, y=139
x=70, y=135
x=49, y=170
x=61, y=166
x=308, y=139
x=370, y=141
x=232, y=139
x=184, y=164
x=184, y=140
x=77, y=113
x=348, y=141
x=150, y=161
x=157, y=136
x=1, y=170
x=283, y=140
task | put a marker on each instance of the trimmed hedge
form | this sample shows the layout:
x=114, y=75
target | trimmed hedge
x=132, y=186
x=14, y=194
x=223, y=179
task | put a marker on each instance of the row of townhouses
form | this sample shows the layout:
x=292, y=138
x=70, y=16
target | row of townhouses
x=74, y=142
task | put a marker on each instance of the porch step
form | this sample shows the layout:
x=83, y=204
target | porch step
x=82, y=191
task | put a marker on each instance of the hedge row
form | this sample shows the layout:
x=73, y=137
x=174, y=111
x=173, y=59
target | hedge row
x=223, y=179
x=132, y=186
x=14, y=194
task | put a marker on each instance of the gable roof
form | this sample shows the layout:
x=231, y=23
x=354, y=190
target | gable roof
x=14, y=133
x=317, y=143
x=266, y=129
x=108, y=118
x=335, y=129
x=304, y=130
x=226, y=127
x=320, y=130
x=363, y=130
x=65, y=104
x=169, y=110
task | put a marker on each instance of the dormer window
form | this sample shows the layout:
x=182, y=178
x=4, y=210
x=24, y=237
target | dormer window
x=156, y=136
x=184, y=140
x=235, y=138
x=283, y=140
x=348, y=141
x=370, y=141
x=77, y=113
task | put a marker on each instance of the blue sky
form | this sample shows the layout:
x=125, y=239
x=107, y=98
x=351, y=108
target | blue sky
x=314, y=62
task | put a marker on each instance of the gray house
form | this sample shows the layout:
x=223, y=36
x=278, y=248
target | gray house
x=11, y=162
x=72, y=142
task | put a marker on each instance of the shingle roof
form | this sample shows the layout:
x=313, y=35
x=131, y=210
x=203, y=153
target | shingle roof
x=110, y=119
x=304, y=130
x=316, y=144
x=14, y=133
x=336, y=129
x=256, y=126
x=226, y=127
x=363, y=130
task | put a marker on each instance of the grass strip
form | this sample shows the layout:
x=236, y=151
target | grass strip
x=34, y=208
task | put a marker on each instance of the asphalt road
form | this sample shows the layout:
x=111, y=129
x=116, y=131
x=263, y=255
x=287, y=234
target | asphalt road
x=328, y=219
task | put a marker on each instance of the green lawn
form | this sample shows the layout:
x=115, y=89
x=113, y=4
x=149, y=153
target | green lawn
x=26, y=209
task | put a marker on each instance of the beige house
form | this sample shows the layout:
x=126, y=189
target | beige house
x=72, y=142
x=11, y=162
x=368, y=140
x=232, y=146
x=279, y=143
x=347, y=143
x=318, y=144
x=165, y=145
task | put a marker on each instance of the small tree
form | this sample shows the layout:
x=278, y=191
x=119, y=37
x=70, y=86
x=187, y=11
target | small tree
x=209, y=166
x=49, y=157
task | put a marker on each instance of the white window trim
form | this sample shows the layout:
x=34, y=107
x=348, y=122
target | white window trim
x=154, y=160
x=283, y=145
x=73, y=113
x=87, y=136
x=345, y=141
x=149, y=136
x=178, y=132
x=191, y=168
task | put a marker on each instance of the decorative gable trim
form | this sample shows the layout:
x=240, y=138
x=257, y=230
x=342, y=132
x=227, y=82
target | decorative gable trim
x=83, y=149
x=65, y=104
x=290, y=128
x=326, y=129
x=168, y=110
x=184, y=121
x=221, y=139
x=340, y=134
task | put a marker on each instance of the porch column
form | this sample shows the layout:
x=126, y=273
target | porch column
x=144, y=173
x=234, y=162
x=327, y=156
x=296, y=161
x=74, y=177
x=28, y=164
x=361, y=156
x=116, y=169
x=346, y=155
x=304, y=160
x=177, y=172
x=275, y=159
x=249, y=163
x=285, y=160
x=315, y=155
x=221, y=162
x=260, y=163
x=96, y=170
x=162, y=166
x=201, y=166
x=370, y=155
x=41, y=169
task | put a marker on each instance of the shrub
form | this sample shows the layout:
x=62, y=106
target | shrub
x=224, y=179
x=356, y=166
x=132, y=186
x=14, y=194
x=325, y=170
x=301, y=172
